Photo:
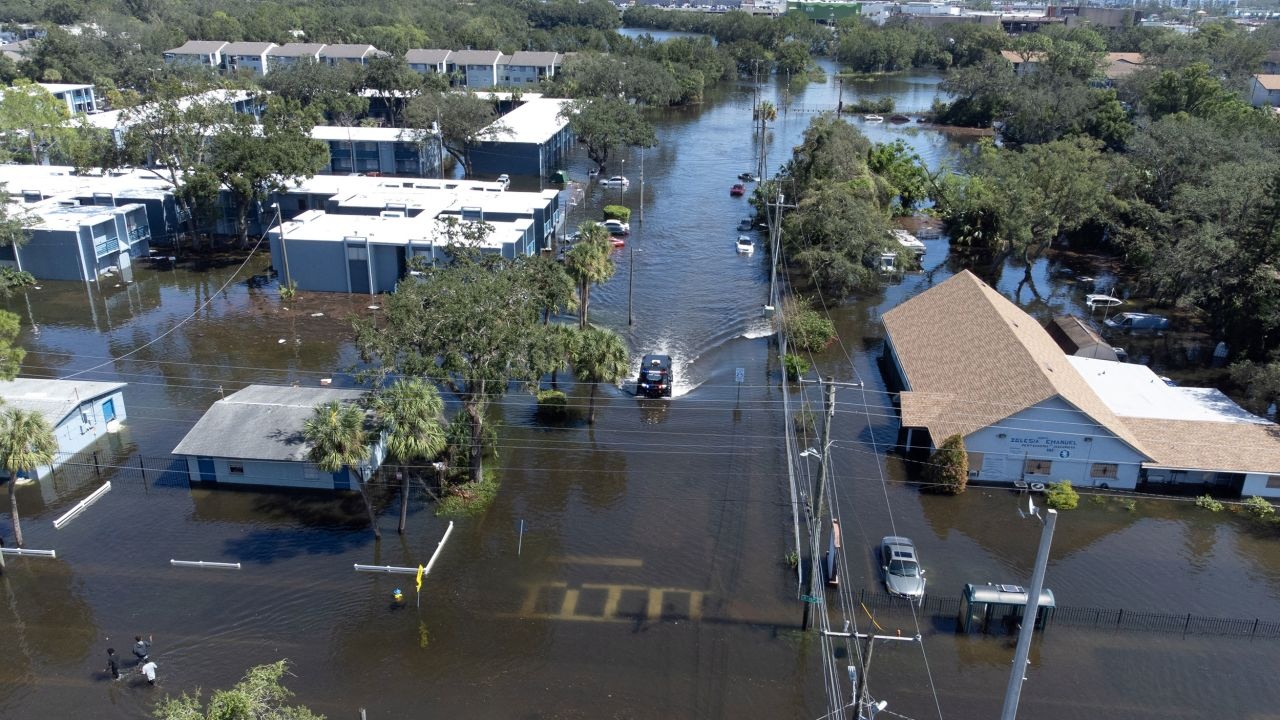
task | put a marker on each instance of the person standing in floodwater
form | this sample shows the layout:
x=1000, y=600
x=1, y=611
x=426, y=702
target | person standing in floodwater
x=113, y=664
x=149, y=670
x=142, y=648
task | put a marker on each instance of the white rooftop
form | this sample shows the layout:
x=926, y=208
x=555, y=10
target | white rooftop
x=56, y=216
x=363, y=134
x=1132, y=390
x=55, y=88
x=536, y=121
x=316, y=225
x=54, y=399
x=111, y=119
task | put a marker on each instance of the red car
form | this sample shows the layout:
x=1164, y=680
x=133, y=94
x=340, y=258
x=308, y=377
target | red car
x=738, y=190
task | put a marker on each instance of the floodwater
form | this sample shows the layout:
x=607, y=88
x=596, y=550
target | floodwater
x=630, y=569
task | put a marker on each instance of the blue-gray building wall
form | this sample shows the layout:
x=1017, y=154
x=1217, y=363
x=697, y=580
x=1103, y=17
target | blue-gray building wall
x=84, y=425
x=313, y=265
x=265, y=473
x=536, y=159
x=56, y=255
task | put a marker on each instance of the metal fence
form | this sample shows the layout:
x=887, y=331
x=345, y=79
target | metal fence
x=942, y=611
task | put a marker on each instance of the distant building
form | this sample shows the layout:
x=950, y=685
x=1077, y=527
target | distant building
x=201, y=53
x=248, y=57
x=1265, y=90
x=428, y=61
x=477, y=69
x=78, y=411
x=339, y=53
x=528, y=68
x=971, y=363
x=255, y=437
x=1121, y=64
x=292, y=54
x=80, y=99
x=378, y=151
x=825, y=12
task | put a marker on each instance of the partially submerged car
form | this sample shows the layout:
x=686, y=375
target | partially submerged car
x=1137, y=321
x=903, y=575
x=656, y=376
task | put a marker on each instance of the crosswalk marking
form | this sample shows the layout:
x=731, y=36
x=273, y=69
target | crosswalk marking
x=559, y=601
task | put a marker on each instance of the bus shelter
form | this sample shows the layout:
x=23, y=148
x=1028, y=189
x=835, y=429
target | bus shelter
x=997, y=609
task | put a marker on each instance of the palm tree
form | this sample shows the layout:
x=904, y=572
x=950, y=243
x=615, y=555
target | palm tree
x=26, y=442
x=600, y=355
x=338, y=438
x=590, y=262
x=410, y=412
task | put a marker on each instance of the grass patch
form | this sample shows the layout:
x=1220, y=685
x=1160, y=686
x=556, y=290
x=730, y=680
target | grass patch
x=469, y=499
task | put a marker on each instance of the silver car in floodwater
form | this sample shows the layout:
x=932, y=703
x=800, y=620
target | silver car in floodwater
x=903, y=575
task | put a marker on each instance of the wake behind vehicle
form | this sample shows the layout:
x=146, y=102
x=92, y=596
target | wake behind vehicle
x=903, y=575
x=656, y=377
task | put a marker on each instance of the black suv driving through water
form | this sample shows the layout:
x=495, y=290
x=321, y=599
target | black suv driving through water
x=656, y=377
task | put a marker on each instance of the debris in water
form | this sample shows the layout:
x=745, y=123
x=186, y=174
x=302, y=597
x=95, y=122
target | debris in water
x=375, y=307
x=317, y=314
x=326, y=381
x=281, y=341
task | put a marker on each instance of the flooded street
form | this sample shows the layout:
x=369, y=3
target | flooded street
x=649, y=580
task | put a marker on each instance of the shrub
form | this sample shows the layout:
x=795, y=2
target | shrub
x=806, y=328
x=1259, y=508
x=806, y=425
x=289, y=292
x=1208, y=503
x=553, y=404
x=469, y=499
x=1061, y=496
x=795, y=366
x=948, y=470
x=617, y=212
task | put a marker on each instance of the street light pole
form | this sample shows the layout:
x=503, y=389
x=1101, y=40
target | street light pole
x=1018, y=674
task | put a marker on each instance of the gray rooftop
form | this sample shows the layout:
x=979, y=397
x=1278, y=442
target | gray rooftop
x=260, y=422
x=199, y=47
x=475, y=57
x=426, y=57
x=533, y=59
x=54, y=399
x=247, y=48
x=296, y=50
x=340, y=50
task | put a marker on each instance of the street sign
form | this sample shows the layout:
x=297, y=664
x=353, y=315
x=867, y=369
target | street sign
x=809, y=599
x=739, y=375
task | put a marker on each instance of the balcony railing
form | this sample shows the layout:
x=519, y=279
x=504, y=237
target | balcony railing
x=141, y=232
x=106, y=247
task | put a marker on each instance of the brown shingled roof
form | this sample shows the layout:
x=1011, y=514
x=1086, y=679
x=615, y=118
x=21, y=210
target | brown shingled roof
x=1219, y=446
x=972, y=358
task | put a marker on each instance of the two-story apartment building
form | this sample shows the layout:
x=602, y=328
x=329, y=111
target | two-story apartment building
x=428, y=61
x=200, y=53
x=342, y=53
x=70, y=241
x=476, y=68
x=247, y=57
x=80, y=99
x=528, y=68
x=292, y=54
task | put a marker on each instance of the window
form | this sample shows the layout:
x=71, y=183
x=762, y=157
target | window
x=1103, y=471
x=235, y=468
x=1037, y=467
x=1273, y=481
x=357, y=253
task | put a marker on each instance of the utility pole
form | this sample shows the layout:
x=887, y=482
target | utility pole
x=1018, y=674
x=861, y=699
x=815, y=565
x=840, y=101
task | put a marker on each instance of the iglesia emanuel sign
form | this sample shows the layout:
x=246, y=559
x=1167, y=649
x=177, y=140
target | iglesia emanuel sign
x=1042, y=443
